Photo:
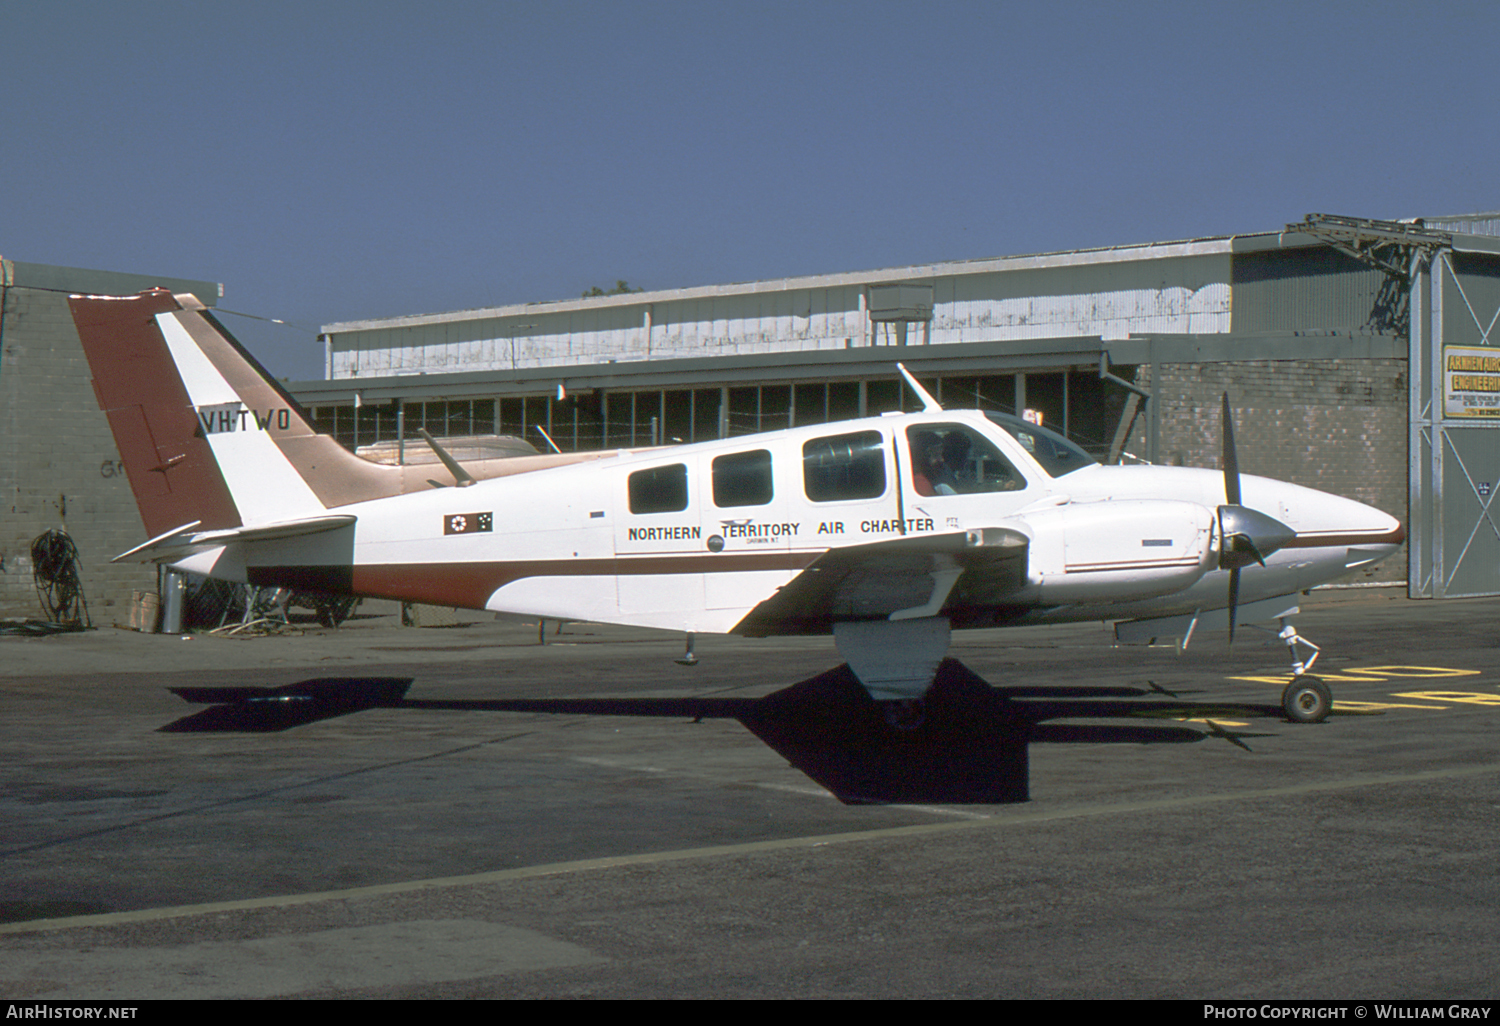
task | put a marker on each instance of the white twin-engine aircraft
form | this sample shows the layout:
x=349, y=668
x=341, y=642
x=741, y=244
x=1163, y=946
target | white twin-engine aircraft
x=885, y=531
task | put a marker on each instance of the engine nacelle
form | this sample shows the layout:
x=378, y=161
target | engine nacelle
x=1092, y=552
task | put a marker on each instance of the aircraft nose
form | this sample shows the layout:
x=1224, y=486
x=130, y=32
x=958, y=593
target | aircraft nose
x=1380, y=535
x=1331, y=521
x=1370, y=524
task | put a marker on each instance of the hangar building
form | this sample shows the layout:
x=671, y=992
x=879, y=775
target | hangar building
x=1341, y=342
x=1312, y=330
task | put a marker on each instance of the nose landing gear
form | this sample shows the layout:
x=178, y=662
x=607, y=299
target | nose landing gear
x=1306, y=699
x=1289, y=635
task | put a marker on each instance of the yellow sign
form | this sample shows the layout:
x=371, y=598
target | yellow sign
x=1471, y=381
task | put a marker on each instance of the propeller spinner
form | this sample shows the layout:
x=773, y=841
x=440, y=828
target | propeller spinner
x=1245, y=535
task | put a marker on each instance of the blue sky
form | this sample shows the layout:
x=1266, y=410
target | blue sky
x=332, y=161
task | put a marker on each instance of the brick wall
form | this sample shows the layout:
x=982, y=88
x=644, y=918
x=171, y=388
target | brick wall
x=1339, y=426
x=58, y=462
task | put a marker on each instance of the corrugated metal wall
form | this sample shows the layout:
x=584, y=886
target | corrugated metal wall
x=1455, y=453
x=1309, y=289
x=1038, y=299
x=1180, y=295
x=1470, y=224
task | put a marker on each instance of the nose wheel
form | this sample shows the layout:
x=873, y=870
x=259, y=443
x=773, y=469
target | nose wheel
x=1306, y=700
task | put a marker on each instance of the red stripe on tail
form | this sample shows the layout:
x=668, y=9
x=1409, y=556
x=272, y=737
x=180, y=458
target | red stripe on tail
x=170, y=465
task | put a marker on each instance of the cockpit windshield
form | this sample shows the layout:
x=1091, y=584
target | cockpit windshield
x=1056, y=454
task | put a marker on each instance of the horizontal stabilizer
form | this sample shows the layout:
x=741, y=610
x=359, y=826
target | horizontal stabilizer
x=184, y=541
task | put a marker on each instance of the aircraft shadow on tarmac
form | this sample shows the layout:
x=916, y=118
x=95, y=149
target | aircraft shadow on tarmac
x=966, y=743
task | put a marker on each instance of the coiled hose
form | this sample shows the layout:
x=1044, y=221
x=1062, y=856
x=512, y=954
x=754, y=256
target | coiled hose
x=54, y=570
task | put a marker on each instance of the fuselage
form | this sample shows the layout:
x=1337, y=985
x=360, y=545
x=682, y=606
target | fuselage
x=692, y=537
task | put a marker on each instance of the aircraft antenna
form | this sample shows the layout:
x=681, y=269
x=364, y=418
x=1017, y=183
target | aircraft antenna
x=548, y=437
x=460, y=476
x=929, y=404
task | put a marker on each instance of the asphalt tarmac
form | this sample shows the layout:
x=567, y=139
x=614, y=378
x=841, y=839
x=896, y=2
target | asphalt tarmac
x=421, y=852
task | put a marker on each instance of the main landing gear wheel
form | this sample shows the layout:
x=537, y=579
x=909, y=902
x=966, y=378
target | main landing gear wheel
x=1307, y=700
x=333, y=610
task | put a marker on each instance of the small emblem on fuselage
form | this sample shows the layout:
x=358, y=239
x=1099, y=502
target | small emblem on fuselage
x=468, y=523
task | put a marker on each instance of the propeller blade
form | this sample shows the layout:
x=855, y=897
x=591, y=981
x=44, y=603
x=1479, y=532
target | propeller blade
x=1245, y=535
x=1230, y=459
x=1231, y=462
x=1234, y=600
x=1250, y=544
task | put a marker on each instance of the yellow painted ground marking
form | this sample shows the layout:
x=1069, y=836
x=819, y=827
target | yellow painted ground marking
x=1413, y=671
x=1359, y=709
x=1467, y=697
x=1363, y=707
x=1204, y=716
x=1371, y=674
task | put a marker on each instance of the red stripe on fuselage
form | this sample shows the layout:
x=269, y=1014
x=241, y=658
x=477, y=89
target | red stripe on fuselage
x=1320, y=541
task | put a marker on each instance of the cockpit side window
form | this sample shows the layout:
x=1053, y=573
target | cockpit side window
x=841, y=467
x=951, y=459
x=1056, y=454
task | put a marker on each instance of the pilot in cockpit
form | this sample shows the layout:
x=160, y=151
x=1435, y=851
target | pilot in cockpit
x=932, y=474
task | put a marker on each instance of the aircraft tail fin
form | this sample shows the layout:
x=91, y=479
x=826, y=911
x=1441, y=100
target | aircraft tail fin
x=205, y=433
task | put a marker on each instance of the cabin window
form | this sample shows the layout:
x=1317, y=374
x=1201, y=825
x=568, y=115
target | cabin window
x=743, y=479
x=950, y=459
x=659, y=490
x=841, y=467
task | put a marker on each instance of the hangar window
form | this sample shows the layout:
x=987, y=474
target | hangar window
x=743, y=479
x=848, y=466
x=659, y=490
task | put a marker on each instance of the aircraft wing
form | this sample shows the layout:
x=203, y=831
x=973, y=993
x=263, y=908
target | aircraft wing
x=896, y=579
x=185, y=540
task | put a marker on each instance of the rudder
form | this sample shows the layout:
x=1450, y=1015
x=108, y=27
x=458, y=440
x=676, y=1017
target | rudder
x=194, y=419
x=170, y=465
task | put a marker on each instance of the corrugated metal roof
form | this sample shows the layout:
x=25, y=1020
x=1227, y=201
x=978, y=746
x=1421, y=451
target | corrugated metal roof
x=1487, y=223
x=103, y=283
